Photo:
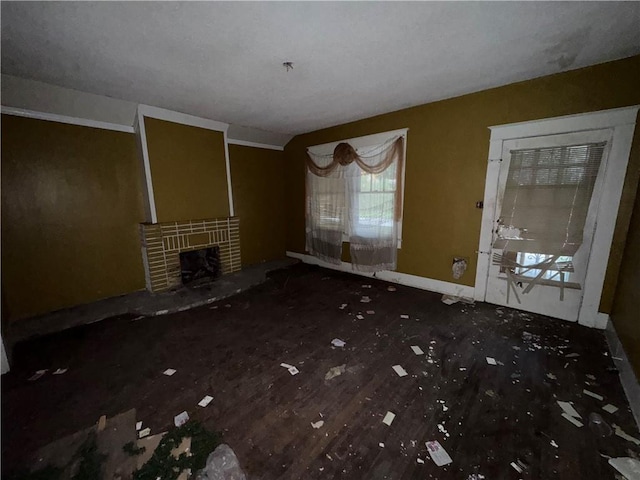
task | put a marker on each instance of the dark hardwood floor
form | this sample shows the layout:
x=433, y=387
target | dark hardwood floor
x=484, y=416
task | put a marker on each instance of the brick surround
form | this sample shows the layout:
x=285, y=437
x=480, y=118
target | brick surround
x=163, y=242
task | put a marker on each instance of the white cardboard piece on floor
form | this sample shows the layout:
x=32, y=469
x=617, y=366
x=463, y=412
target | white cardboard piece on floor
x=360, y=317
x=417, y=350
x=336, y=342
x=399, y=370
x=60, y=371
x=622, y=434
x=491, y=361
x=37, y=375
x=627, y=466
x=144, y=433
x=404, y=316
x=292, y=370
x=573, y=420
x=317, y=424
x=388, y=418
x=591, y=394
x=438, y=454
x=568, y=409
x=181, y=419
x=205, y=401
x=138, y=426
x=610, y=408
x=169, y=371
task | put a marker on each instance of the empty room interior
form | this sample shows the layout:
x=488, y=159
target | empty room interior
x=320, y=240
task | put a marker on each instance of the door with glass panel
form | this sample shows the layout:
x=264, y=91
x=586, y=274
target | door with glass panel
x=547, y=202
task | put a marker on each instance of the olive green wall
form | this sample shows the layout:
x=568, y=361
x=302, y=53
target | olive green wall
x=257, y=177
x=447, y=147
x=71, y=202
x=188, y=171
x=626, y=304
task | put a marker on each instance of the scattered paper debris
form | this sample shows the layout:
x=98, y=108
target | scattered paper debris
x=591, y=394
x=292, y=370
x=590, y=377
x=37, y=375
x=365, y=299
x=335, y=371
x=102, y=423
x=388, y=418
x=572, y=355
x=370, y=312
x=138, y=426
x=381, y=445
x=317, y=424
x=417, y=350
x=336, y=342
x=627, y=466
x=404, y=316
x=205, y=401
x=420, y=461
x=516, y=467
x=399, y=370
x=443, y=430
x=169, y=371
x=610, y=408
x=491, y=361
x=449, y=299
x=444, y=407
x=343, y=306
x=60, y=371
x=621, y=433
x=573, y=420
x=360, y=317
x=144, y=433
x=366, y=286
x=568, y=409
x=553, y=443
x=181, y=419
x=551, y=376
x=391, y=288
x=438, y=454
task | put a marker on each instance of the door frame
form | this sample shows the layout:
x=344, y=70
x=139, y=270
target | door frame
x=622, y=123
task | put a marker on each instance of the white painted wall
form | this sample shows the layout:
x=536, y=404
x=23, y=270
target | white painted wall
x=46, y=98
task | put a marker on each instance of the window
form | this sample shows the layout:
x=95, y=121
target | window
x=354, y=194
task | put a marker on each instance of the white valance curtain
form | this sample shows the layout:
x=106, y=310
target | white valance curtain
x=356, y=194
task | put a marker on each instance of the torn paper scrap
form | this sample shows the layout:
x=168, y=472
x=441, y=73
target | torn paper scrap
x=381, y=445
x=205, y=401
x=391, y=288
x=292, y=370
x=399, y=370
x=317, y=424
x=417, y=350
x=627, y=466
x=388, y=418
x=343, y=306
x=366, y=286
x=610, y=408
x=573, y=420
x=621, y=433
x=568, y=409
x=516, y=467
x=360, y=317
x=491, y=361
x=138, y=426
x=102, y=423
x=438, y=454
x=37, y=375
x=419, y=460
x=144, y=433
x=572, y=355
x=591, y=394
x=370, y=312
x=181, y=419
x=60, y=371
x=365, y=299
x=336, y=342
x=404, y=316
x=335, y=371
x=169, y=371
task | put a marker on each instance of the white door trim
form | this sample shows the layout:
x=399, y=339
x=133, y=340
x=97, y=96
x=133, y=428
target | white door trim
x=622, y=122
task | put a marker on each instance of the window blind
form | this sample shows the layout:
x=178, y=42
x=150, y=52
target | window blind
x=547, y=197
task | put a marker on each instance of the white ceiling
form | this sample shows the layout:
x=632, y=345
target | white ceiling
x=223, y=61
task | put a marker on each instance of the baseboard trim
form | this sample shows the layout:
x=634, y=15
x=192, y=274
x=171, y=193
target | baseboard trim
x=628, y=378
x=422, y=283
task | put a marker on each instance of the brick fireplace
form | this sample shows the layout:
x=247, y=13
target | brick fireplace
x=162, y=244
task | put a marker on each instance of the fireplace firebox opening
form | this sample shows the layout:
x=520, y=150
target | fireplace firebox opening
x=200, y=266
